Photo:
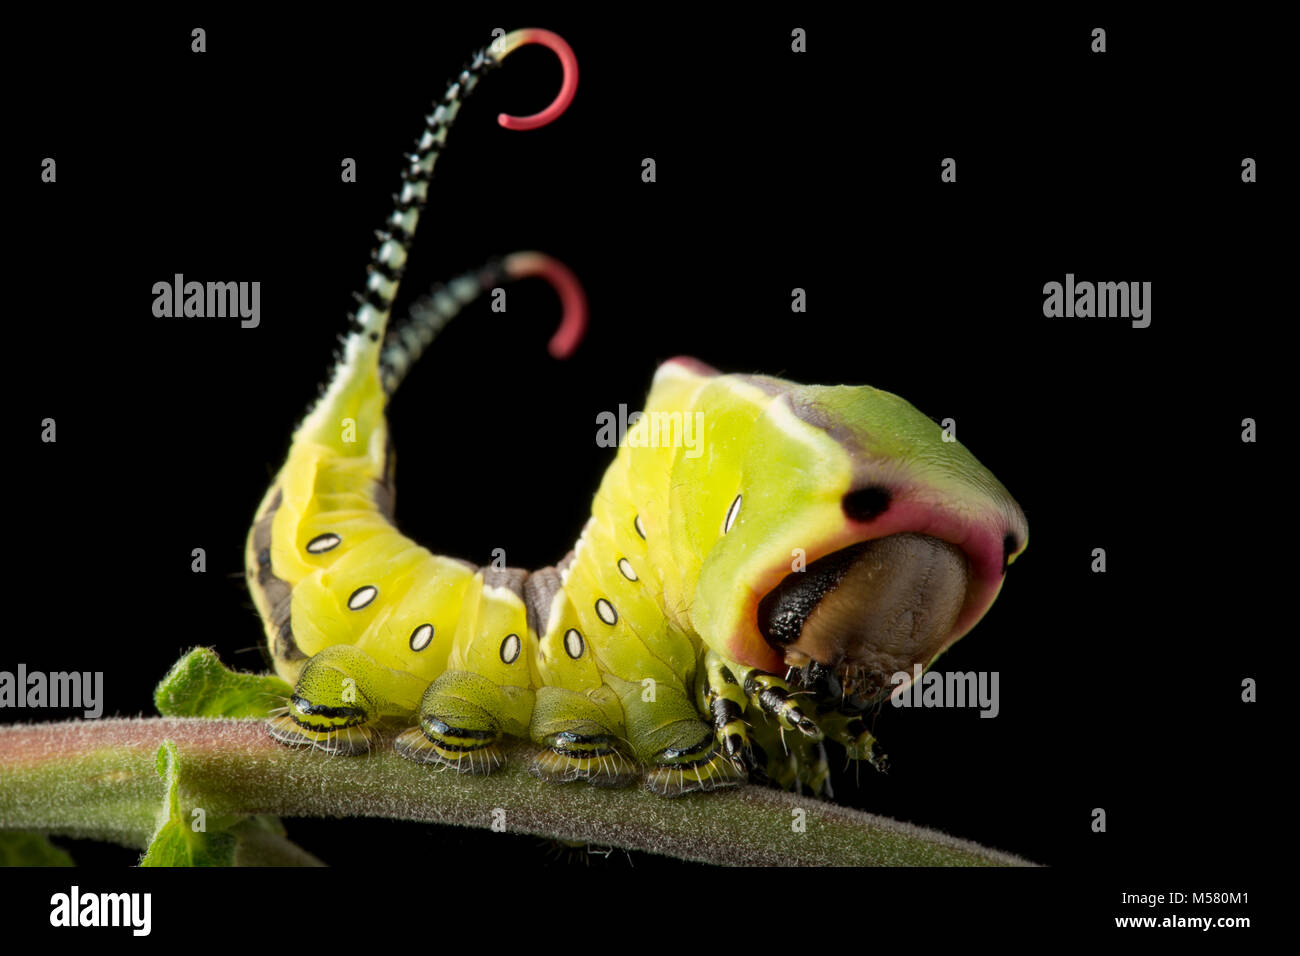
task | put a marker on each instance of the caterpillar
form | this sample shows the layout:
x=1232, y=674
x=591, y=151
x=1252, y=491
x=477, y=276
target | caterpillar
x=732, y=603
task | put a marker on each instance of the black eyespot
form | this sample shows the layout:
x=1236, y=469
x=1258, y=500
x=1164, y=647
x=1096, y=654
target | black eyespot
x=866, y=504
x=1009, y=544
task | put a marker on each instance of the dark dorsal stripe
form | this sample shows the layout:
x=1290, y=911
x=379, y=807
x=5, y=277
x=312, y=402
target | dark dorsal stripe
x=276, y=592
x=539, y=591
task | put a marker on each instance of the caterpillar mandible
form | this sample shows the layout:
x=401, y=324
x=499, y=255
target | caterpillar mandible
x=828, y=532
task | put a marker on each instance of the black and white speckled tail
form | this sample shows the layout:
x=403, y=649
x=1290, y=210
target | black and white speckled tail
x=408, y=339
x=428, y=315
x=359, y=362
x=388, y=259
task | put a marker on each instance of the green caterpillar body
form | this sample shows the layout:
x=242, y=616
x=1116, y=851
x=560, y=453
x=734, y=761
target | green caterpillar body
x=747, y=525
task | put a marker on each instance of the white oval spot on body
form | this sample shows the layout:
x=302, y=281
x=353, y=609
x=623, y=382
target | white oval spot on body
x=573, y=643
x=362, y=596
x=606, y=612
x=421, y=637
x=640, y=529
x=510, y=648
x=732, y=514
x=625, y=569
x=322, y=543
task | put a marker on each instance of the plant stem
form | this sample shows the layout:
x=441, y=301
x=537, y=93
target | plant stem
x=98, y=779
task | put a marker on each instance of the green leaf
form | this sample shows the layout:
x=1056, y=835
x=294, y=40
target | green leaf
x=176, y=842
x=30, y=849
x=199, y=685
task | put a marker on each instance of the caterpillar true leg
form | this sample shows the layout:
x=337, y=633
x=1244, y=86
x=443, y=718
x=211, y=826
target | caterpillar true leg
x=840, y=714
x=772, y=695
x=790, y=760
x=818, y=773
x=850, y=731
x=793, y=761
x=723, y=699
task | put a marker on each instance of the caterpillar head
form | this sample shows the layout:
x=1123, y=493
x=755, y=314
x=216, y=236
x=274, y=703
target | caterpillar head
x=855, y=541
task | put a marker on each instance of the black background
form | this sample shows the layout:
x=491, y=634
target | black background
x=1118, y=690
